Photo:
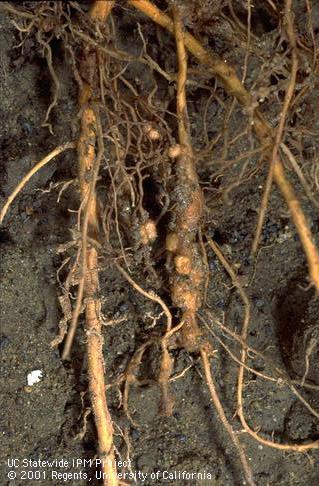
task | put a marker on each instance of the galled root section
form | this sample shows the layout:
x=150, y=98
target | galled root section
x=188, y=280
x=188, y=275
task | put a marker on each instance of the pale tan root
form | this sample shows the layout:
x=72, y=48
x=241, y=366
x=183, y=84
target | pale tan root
x=89, y=160
x=34, y=170
x=244, y=333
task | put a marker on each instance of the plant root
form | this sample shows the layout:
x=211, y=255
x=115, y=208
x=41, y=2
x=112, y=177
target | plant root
x=241, y=371
x=223, y=418
x=281, y=126
x=188, y=273
x=34, y=170
x=227, y=76
x=186, y=257
x=188, y=281
x=167, y=361
x=88, y=167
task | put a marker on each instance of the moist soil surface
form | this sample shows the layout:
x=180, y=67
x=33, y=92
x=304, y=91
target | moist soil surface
x=49, y=420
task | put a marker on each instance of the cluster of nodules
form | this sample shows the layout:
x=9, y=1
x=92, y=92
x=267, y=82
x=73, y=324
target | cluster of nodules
x=184, y=263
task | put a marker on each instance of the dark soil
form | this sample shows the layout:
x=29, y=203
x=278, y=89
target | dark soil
x=45, y=421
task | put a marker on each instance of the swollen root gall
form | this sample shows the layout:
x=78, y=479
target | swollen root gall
x=174, y=151
x=148, y=232
x=172, y=242
x=183, y=265
x=151, y=132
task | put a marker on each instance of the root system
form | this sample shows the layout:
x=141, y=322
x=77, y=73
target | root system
x=147, y=182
